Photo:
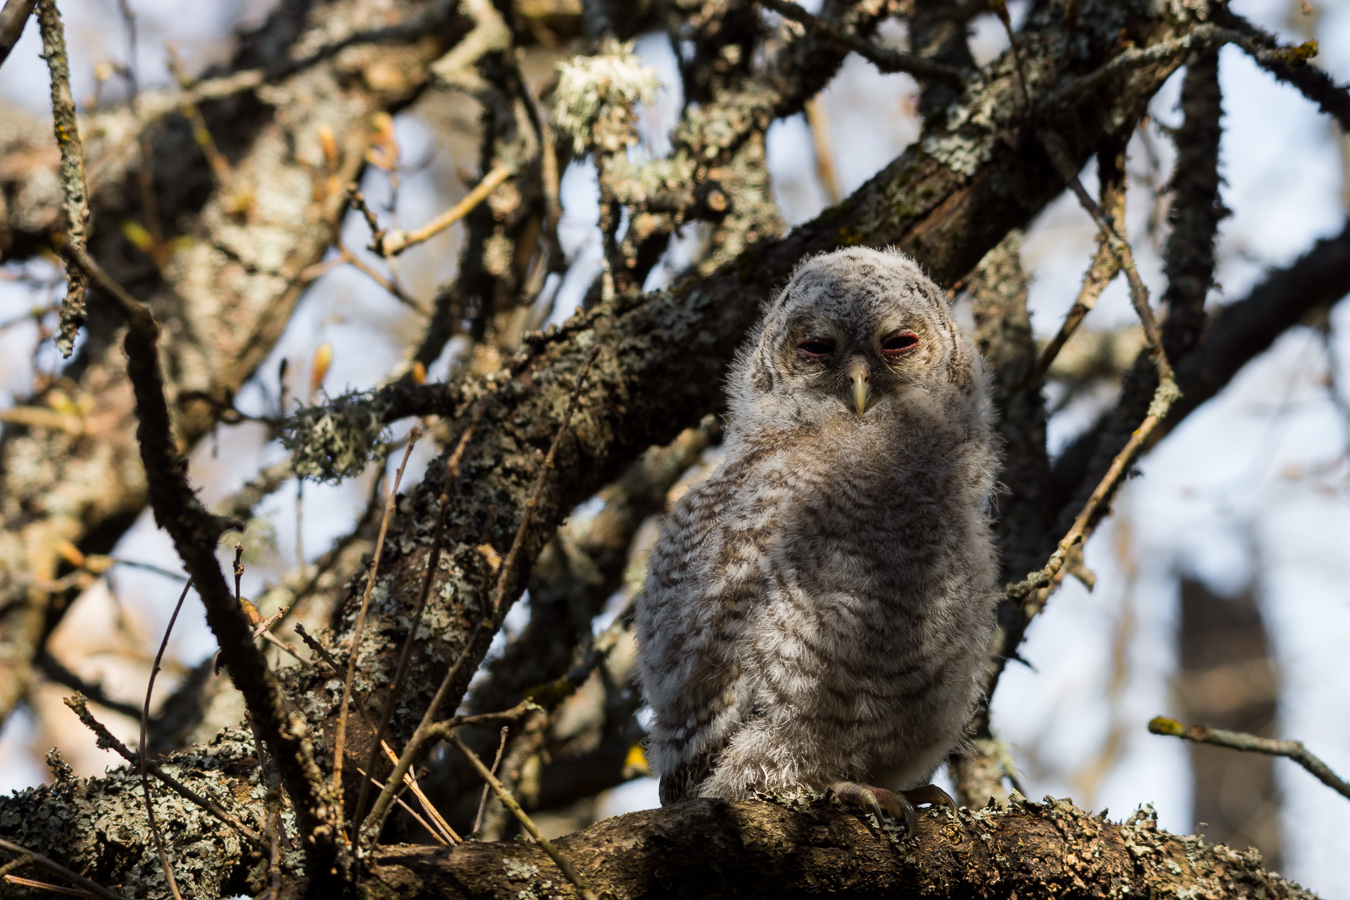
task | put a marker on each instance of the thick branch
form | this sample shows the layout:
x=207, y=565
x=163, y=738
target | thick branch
x=713, y=848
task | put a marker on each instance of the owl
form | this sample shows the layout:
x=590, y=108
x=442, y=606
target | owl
x=817, y=612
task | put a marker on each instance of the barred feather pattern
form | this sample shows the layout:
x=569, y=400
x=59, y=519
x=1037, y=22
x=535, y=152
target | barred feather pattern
x=820, y=607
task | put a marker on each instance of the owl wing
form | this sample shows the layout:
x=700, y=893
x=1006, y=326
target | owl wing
x=705, y=575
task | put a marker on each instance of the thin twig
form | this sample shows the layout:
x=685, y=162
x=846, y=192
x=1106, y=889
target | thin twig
x=544, y=704
x=57, y=869
x=513, y=714
x=47, y=886
x=1000, y=8
x=404, y=764
x=508, y=565
x=1164, y=396
x=422, y=733
x=145, y=727
x=496, y=761
x=411, y=782
x=339, y=742
x=884, y=58
x=76, y=191
x=195, y=532
x=395, y=242
x=820, y=139
x=389, y=286
x=525, y=822
x=1101, y=272
x=1121, y=248
x=1238, y=740
x=443, y=833
x=405, y=654
x=17, y=862
x=107, y=741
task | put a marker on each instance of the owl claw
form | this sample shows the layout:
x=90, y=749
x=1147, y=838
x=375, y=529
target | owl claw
x=896, y=804
x=877, y=801
x=931, y=795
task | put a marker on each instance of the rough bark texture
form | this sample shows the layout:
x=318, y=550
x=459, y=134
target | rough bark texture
x=707, y=848
x=978, y=172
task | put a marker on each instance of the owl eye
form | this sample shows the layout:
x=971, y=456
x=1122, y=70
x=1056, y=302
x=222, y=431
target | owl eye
x=816, y=348
x=899, y=343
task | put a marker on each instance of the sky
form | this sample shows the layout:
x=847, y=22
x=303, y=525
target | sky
x=1254, y=488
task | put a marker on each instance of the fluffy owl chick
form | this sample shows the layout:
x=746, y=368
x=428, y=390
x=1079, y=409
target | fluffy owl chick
x=817, y=612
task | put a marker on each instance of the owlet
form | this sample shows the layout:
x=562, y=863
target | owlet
x=817, y=612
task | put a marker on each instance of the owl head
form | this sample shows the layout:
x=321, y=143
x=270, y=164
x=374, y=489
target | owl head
x=856, y=334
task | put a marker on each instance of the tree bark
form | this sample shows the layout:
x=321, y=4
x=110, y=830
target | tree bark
x=711, y=848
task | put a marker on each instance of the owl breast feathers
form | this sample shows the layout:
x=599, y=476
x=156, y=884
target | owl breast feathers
x=819, y=609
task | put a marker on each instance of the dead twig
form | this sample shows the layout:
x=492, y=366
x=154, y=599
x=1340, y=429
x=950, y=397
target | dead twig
x=1101, y=272
x=820, y=140
x=405, y=655
x=145, y=727
x=525, y=822
x=195, y=533
x=107, y=741
x=56, y=868
x=76, y=202
x=339, y=742
x=404, y=763
x=47, y=886
x=422, y=734
x=442, y=832
x=496, y=761
x=395, y=242
x=1239, y=740
x=1164, y=396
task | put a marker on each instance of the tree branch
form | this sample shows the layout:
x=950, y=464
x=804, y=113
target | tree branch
x=752, y=849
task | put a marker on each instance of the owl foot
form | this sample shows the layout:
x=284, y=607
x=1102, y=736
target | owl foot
x=896, y=804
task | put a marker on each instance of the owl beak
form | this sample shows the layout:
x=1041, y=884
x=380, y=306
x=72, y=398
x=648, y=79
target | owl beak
x=860, y=374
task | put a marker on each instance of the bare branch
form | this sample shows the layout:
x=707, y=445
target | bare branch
x=106, y=739
x=67, y=129
x=56, y=868
x=195, y=532
x=1237, y=740
x=525, y=822
x=884, y=58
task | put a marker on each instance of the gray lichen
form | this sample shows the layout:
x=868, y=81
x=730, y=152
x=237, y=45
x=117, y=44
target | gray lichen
x=337, y=439
x=595, y=98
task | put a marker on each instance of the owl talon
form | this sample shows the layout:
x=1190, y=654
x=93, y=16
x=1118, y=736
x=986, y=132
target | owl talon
x=878, y=800
x=932, y=795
